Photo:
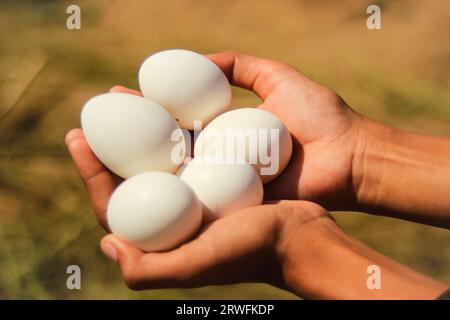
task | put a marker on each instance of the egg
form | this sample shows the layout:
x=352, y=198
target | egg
x=190, y=86
x=131, y=135
x=154, y=211
x=222, y=188
x=248, y=134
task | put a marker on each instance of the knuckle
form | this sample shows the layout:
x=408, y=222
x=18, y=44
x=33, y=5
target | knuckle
x=232, y=52
x=331, y=96
x=304, y=206
x=312, y=206
x=278, y=66
x=281, y=65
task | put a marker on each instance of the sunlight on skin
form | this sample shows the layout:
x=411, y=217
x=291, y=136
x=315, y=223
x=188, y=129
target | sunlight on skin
x=279, y=235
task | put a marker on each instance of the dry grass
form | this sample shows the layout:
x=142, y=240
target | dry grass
x=398, y=75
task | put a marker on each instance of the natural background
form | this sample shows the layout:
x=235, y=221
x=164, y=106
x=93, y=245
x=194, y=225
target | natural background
x=398, y=75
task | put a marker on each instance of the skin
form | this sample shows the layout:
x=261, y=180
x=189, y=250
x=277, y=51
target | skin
x=341, y=161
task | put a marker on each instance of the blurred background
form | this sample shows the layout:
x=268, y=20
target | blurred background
x=398, y=75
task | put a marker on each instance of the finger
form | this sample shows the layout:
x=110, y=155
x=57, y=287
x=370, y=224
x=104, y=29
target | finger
x=177, y=268
x=250, y=72
x=97, y=178
x=122, y=89
x=125, y=256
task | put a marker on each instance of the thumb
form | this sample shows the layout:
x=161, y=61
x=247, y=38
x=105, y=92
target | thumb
x=126, y=256
x=250, y=72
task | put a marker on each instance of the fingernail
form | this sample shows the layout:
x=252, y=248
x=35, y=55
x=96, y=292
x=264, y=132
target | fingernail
x=116, y=88
x=109, y=251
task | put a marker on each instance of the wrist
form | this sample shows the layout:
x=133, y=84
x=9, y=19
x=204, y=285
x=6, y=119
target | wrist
x=401, y=174
x=305, y=236
x=320, y=261
x=368, y=163
x=333, y=265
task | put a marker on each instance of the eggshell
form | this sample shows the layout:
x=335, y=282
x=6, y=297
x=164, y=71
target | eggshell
x=190, y=86
x=246, y=135
x=154, y=211
x=222, y=188
x=130, y=134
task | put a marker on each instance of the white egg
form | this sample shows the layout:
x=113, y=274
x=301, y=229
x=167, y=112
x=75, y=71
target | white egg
x=130, y=134
x=249, y=134
x=222, y=188
x=154, y=211
x=190, y=86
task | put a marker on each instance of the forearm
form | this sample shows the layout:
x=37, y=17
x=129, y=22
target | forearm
x=336, y=267
x=403, y=175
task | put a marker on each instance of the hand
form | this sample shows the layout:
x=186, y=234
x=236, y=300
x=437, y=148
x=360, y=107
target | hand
x=246, y=246
x=294, y=245
x=342, y=160
x=301, y=248
x=324, y=129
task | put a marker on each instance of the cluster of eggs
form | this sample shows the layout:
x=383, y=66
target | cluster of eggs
x=145, y=140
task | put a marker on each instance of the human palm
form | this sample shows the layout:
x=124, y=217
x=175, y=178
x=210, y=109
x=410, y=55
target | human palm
x=324, y=128
x=246, y=246
x=228, y=250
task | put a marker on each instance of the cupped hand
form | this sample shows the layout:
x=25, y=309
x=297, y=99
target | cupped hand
x=246, y=246
x=324, y=128
x=285, y=244
x=325, y=131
